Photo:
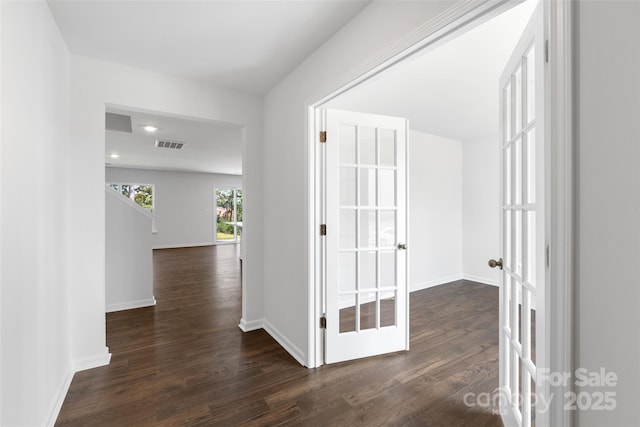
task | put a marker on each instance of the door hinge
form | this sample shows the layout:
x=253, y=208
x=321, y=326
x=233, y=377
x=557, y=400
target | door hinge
x=548, y=256
x=546, y=51
x=323, y=136
x=323, y=322
x=323, y=229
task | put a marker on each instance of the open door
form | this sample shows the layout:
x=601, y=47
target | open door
x=366, y=228
x=523, y=318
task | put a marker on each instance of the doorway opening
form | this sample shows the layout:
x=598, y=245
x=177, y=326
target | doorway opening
x=167, y=167
x=354, y=97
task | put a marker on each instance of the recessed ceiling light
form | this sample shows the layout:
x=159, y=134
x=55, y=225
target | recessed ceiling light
x=114, y=155
x=150, y=128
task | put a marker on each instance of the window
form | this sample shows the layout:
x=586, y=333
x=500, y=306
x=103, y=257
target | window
x=228, y=214
x=142, y=194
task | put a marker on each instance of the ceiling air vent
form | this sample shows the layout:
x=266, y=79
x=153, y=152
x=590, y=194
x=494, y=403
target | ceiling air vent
x=174, y=145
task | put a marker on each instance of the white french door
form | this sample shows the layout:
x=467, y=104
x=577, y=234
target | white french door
x=523, y=356
x=366, y=229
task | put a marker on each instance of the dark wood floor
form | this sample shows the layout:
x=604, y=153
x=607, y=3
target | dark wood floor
x=185, y=362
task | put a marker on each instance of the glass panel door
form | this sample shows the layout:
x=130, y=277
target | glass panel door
x=522, y=223
x=366, y=225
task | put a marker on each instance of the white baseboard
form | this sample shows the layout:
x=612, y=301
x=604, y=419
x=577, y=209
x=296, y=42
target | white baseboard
x=440, y=281
x=61, y=394
x=183, y=245
x=252, y=325
x=78, y=365
x=483, y=280
x=284, y=342
x=128, y=305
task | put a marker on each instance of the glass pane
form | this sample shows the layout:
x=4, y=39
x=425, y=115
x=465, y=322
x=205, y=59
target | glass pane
x=347, y=141
x=225, y=216
x=387, y=188
x=517, y=76
x=525, y=325
x=367, y=229
x=387, y=228
x=531, y=248
x=367, y=187
x=367, y=269
x=517, y=172
x=367, y=146
x=368, y=312
x=507, y=175
x=347, y=228
x=387, y=269
x=347, y=271
x=506, y=357
x=520, y=401
x=348, y=319
x=517, y=231
x=534, y=401
x=507, y=113
x=347, y=186
x=239, y=205
x=515, y=376
x=387, y=308
x=518, y=312
x=531, y=166
x=531, y=84
x=387, y=147
x=515, y=317
x=507, y=240
x=533, y=329
x=142, y=194
x=507, y=297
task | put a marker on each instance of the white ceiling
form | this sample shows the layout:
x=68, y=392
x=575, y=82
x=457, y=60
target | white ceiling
x=214, y=147
x=245, y=45
x=452, y=90
x=250, y=45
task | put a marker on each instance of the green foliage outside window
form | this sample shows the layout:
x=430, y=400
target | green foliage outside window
x=142, y=194
x=228, y=213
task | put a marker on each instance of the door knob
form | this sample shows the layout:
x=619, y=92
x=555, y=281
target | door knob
x=402, y=246
x=493, y=263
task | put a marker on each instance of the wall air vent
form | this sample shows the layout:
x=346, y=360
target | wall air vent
x=174, y=145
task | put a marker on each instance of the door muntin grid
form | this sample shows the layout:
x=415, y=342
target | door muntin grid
x=368, y=221
x=520, y=223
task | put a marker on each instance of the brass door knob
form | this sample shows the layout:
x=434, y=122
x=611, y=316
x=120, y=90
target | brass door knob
x=493, y=263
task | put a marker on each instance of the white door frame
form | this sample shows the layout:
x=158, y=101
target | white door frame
x=558, y=15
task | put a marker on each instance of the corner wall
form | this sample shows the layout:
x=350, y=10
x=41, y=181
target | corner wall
x=129, y=256
x=480, y=208
x=35, y=363
x=435, y=210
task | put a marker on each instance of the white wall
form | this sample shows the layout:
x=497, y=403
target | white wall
x=608, y=202
x=381, y=29
x=95, y=84
x=183, y=202
x=480, y=208
x=435, y=211
x=34, y=197
x=129, y=262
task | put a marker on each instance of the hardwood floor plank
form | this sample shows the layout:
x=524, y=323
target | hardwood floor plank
x=185, y=362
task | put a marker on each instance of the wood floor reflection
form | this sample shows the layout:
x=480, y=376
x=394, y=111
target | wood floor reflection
x=185, y=362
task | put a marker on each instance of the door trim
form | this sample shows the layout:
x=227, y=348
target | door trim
x=558, y=17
